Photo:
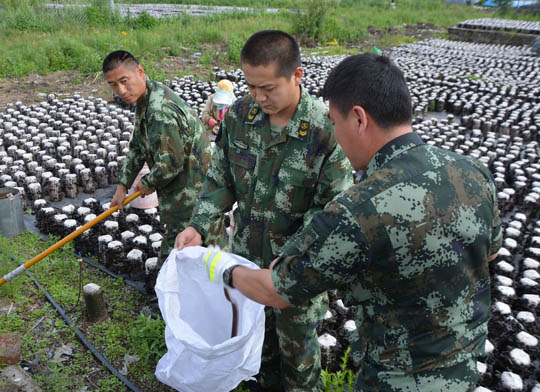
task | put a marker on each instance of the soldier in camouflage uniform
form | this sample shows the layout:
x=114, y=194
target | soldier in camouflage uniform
x=168, y=136
x=276, y=157
x=409, y=244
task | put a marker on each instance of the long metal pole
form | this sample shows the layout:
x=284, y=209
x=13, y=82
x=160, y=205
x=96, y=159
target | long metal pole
x=66, y=239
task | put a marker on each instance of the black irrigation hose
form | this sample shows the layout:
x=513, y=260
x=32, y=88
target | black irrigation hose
x=80, y=290
x=139, y=286
x=82, y=337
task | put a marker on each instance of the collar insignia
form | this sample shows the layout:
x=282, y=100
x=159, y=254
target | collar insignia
x=302, y=131
x=252, y=113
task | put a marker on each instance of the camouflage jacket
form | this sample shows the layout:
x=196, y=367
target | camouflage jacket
x=408, y=244
x=279, y=179
x=170, y=138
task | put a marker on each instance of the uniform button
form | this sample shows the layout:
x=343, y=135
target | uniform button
x=380, y=320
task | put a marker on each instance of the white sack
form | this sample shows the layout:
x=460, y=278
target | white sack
x=201, y=355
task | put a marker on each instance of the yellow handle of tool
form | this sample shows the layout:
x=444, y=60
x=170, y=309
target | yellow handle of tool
x=66, y=239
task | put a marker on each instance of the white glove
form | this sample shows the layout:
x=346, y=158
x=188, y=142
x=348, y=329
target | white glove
x=216, y=262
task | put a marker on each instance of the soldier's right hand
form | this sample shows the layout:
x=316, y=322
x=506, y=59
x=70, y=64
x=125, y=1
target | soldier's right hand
x=188, y=237
x=119, y=197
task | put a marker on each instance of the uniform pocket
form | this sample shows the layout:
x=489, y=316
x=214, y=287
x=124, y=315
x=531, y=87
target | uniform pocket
x=296, y=190
x=390, y=346
x=242, y=159
x=242, y=170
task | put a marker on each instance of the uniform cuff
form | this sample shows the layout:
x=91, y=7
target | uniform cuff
x=280, y=285
x=147, y=184
x=199, y=229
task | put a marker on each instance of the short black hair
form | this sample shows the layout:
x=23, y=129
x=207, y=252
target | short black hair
x=116, y=59
x=373, y=82
x=268, y=46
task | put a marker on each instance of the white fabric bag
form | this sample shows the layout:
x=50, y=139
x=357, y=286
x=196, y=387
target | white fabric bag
x=202, y=356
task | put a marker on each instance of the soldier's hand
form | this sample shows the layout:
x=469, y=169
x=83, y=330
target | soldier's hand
x=119, y=197
x=188, y=237
x=144, y=190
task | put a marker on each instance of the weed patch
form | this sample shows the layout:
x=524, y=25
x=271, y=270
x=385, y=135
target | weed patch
x=148, y=335
x=340, y=381
x=43, y=332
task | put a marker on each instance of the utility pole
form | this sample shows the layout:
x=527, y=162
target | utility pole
x=111, y=3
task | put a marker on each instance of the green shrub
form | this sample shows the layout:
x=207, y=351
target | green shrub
x=309, y=16
x=100, y=14
x=342, y=380
x=148, y=336
x=234, y=48
x=18, y=4
x=143, y=21
x=21, y=22
x=25, y=18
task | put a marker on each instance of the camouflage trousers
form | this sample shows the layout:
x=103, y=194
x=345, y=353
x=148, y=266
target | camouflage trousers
x=216, y=236
x=291, y=355
x=376, y=378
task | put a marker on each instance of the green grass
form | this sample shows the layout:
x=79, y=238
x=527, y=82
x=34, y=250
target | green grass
x=240, y=3
x=30, y=51
x=35, y=41
x=42, y=330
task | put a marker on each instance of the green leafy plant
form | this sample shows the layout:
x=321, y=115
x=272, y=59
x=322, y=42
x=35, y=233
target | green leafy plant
x=309, y=17
x=234, y=48
x=13, y=4
x=340, y=381
x=148, y=335
x=143, y=21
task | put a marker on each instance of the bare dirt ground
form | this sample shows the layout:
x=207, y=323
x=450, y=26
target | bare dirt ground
x=34, y=88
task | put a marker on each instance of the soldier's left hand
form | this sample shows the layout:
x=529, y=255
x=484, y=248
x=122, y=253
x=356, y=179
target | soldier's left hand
x=144, y=190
